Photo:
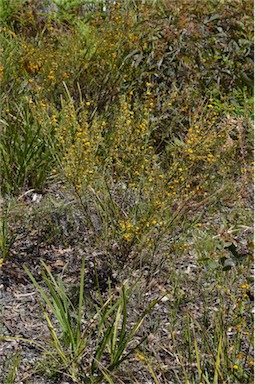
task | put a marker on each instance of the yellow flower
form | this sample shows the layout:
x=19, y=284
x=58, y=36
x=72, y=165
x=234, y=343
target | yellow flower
x=140, y=356
x=235, y=367
x=1, y=262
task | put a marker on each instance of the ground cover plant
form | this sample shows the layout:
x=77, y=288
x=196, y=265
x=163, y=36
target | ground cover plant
x=126, y=191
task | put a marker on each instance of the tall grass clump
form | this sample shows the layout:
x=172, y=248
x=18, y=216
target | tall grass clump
x=107, y=331
x=24, y=155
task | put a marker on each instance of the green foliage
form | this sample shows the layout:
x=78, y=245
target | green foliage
x=7, y=237
x=11, y=367
x=227, y=357
x=108, y=329
x=142, y=112
x=24, y=155
x=211, y=345
x=161, y=58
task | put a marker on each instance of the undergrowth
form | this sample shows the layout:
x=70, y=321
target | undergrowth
x=135, y=118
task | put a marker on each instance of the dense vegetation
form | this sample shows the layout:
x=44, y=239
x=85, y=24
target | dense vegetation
x=132, y=120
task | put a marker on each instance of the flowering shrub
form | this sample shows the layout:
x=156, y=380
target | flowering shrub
x=141, y=113
x=131, y=96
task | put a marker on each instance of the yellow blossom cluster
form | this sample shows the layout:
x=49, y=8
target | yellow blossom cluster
x=130, y=155
x=78, y=143
x=198, y=158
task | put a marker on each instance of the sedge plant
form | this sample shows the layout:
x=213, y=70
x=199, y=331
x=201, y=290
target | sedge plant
x=71, y=334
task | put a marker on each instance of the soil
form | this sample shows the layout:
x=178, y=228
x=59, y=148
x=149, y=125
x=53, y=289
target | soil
x=21, y=314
